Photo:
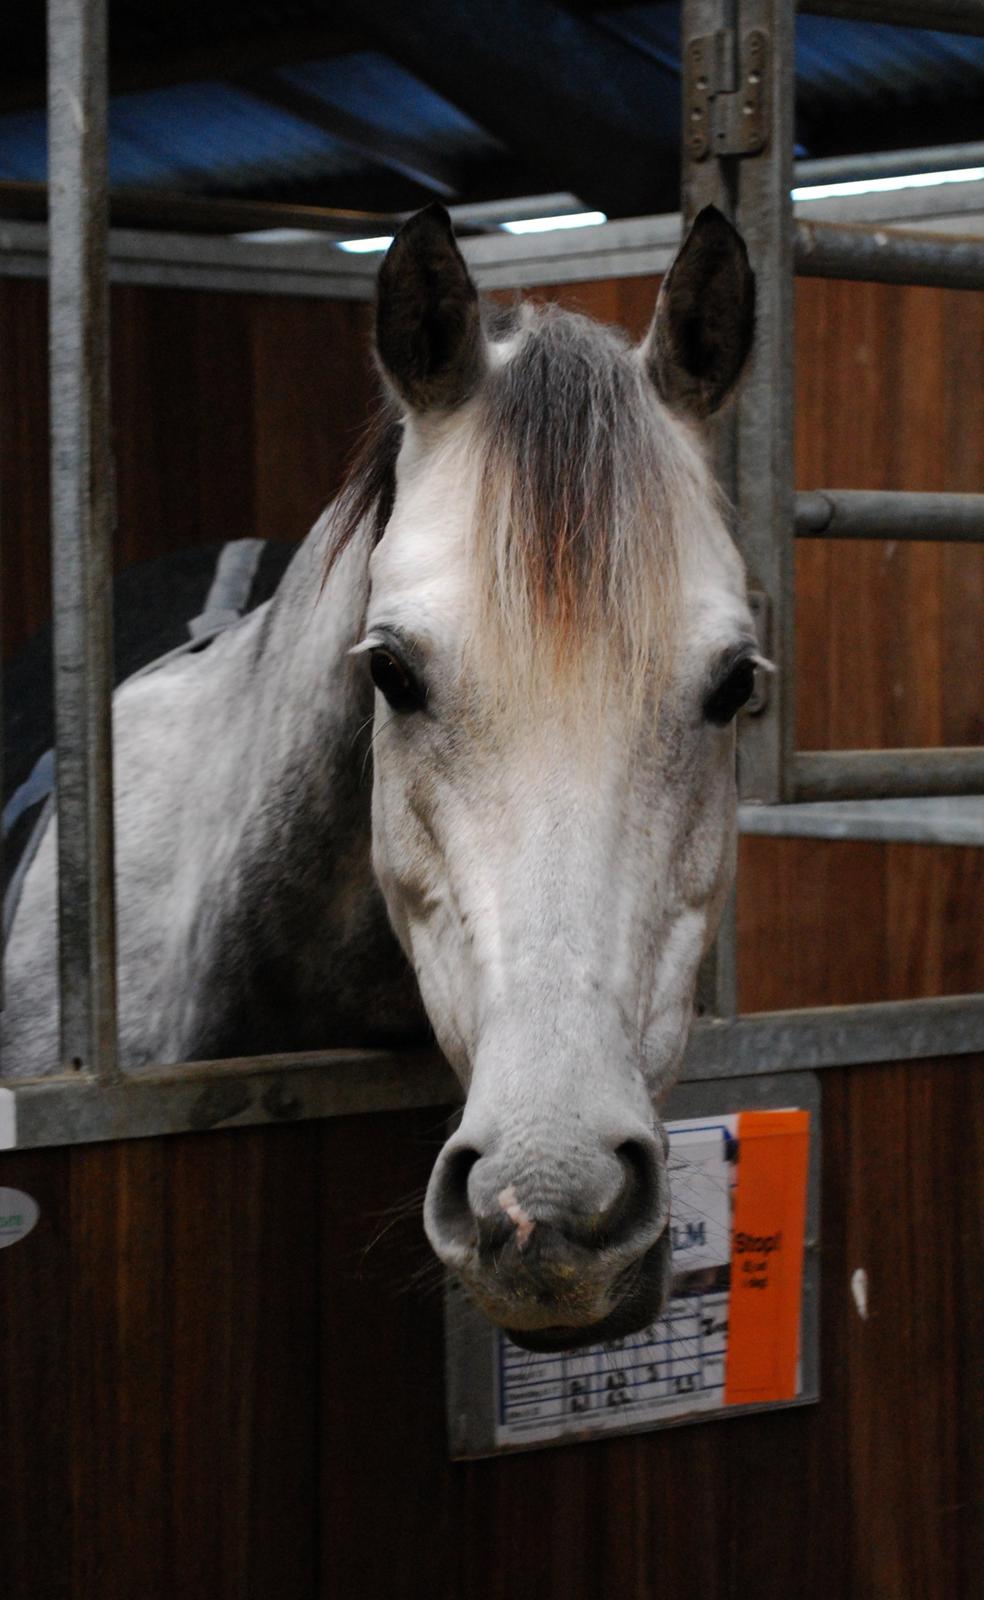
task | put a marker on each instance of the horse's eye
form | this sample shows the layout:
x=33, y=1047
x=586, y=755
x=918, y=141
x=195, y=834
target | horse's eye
x=394, y=680
x=727, y=697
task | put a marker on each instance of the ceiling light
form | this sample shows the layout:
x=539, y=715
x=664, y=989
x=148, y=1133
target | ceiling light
x=573, y=219
x=364, y=247
x=914, y=180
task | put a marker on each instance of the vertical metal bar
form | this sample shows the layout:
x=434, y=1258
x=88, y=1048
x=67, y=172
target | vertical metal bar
x=753, y=442
x=2, y=733
x=706, y=181
x=82, y=522
x=757, y=439
x=765, y=465
x=717, y=981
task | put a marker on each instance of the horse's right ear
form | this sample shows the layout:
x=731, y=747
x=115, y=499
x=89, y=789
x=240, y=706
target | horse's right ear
x=428, y=326
x=705, y=318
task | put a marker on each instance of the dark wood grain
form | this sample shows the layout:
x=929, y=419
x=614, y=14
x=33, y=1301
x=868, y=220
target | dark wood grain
x=833, y=922
x=215, y=1383
x=233, y=416
x=35, y=1385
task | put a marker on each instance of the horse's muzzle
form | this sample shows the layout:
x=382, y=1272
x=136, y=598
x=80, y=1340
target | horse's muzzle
x=638, y=1299
x=569, y=1252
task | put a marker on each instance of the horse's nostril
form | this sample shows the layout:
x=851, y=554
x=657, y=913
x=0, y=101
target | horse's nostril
x=636, y=1160
x=450, y=1207
x=638, y=1200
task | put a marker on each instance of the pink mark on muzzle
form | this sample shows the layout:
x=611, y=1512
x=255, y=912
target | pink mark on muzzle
x=524, y=1224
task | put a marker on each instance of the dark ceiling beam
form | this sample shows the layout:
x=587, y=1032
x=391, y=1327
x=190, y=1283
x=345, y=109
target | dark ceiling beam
x=161, y=209
x=499, y=178
x=135, y=64
x=360, y=204
x=582, y=109
x=828, y=126
x=433, y=172
x=949, y=16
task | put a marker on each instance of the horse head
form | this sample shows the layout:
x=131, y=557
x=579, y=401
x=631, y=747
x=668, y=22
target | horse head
x=559, y=636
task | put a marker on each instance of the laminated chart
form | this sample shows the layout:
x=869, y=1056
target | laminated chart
x=732, y=1334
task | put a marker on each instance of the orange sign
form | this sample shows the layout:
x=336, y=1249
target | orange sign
x=769, y=1222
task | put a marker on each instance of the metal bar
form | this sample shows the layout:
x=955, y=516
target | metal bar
x=888, y=163
x=150, y=208
x=82, y=520
x=766, y=405
x=639, y=246
x=939, y=819
x=883, y=774
x=949, y=16
x=868, y=254
x=199, y=1096
x=882, y=514
x=836, y=1036
x=206, y=214
x=754, y=191
x=717, y=980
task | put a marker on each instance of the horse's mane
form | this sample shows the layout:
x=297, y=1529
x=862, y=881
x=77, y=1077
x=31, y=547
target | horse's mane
x=586, y=489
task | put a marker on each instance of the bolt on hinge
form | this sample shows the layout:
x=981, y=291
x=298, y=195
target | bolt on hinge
x=724, y=88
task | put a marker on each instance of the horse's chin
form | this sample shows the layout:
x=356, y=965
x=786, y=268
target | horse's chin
x=646, y=1287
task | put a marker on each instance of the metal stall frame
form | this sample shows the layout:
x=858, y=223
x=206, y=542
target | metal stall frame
x=726, y=42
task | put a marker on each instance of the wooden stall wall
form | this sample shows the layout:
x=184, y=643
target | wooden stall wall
x=220, y=1354
x=233, y=417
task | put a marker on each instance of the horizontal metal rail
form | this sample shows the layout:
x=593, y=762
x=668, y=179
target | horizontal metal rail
x=887, y=163
x=884, y=514
x=224, y=215
x=886, y=774
x=869, y=254
x=949, y=16
x=201, y=213
x=631, y=248
x=198, y=1096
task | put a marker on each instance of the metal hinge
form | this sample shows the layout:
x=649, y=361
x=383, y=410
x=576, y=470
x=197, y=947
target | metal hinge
x=724, y=86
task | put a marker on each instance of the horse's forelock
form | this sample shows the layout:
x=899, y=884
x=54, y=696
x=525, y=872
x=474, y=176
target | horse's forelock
x=586, y=488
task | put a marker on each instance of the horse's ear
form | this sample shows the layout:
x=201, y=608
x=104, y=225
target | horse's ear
x=428, y=326
x=702, y=329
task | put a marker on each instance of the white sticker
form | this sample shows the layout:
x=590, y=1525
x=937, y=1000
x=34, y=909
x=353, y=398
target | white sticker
x=8, y=1120
x=18, y=1214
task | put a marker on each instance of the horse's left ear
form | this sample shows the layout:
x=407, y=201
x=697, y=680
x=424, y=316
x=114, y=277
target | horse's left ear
x=428, y=324
x=702, y=328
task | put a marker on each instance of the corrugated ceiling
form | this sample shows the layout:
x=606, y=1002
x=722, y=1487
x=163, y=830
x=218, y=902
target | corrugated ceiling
x=301, y=99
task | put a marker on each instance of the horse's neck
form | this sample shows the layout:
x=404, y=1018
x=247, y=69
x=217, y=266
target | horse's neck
x=305, y=952
x=306, y=725
x=311, y=699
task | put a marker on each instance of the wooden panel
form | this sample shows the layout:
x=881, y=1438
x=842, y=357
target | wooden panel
x=24, y=509
x=233, y=417
x=158, y=1396
x=183, y=1304
x=889, y=633
x=839, y=922
x=35, y=1377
